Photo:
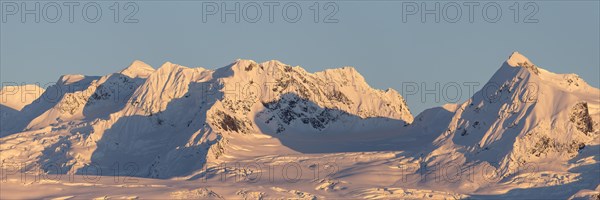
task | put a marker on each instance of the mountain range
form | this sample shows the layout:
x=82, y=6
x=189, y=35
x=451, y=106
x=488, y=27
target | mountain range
x=528, y=132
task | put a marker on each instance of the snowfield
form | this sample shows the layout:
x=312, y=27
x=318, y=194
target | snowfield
x=272, y=131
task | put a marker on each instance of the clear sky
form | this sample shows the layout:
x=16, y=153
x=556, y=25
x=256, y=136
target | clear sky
x=369, y=35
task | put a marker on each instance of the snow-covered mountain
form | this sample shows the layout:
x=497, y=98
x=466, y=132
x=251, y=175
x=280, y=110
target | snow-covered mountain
x=527, y=132
x=18, y=96
x=13, y=99
x=185, y=116
x=525, y=119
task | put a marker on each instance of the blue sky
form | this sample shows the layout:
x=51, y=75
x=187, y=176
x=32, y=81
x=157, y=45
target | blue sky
x=369, y=35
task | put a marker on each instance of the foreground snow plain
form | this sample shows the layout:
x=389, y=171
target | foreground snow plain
x=271, y=131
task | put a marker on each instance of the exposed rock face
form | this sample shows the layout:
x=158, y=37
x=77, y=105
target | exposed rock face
x=580, y=116
x=546, y=145
x=292, y=108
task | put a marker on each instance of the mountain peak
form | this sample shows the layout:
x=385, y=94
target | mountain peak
x=70, y=78
x=137, y=69
x=240, y=60
x=274, y=63
x=517, y=60
x=18, y=96
x=344, y=69
x=169, y=66
x=242, y=63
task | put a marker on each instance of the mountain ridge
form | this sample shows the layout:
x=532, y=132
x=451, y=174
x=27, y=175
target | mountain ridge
x=115, y=112
x=173, y=120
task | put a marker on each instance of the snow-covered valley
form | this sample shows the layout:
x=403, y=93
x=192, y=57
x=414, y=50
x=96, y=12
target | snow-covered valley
x=272, y=131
